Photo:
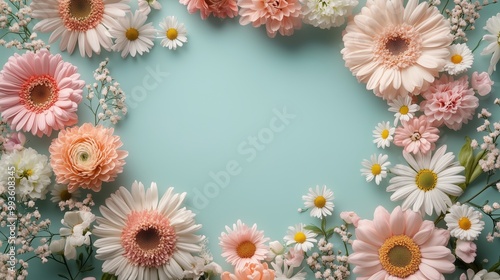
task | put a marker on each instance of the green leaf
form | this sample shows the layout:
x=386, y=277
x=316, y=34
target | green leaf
x=477, y=167
x=465, y=157
x=314, y=229
x=329, y=233
x=63, y=276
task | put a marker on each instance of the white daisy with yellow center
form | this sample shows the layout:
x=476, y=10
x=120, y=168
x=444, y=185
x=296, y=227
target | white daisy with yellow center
x=375, y=168
x=133, y=35
x=403, y=109
x=173, y=34
x=464, y=222
x=60, y=192
x=319, y=201
x=301, y=238
x=383, y=135
x=460, y=59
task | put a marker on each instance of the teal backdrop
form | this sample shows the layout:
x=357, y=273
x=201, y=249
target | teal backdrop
x=245, y=124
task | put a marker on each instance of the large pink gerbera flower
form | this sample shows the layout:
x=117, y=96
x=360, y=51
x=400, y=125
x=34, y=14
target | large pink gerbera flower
x=450, y=102
x=242, y=244
x=218, y=8
x=396, y=49
x=281, y=16
x=86, y=156
x=400, y=245
x=416, y=135
x=39, y=92
x=82, y=21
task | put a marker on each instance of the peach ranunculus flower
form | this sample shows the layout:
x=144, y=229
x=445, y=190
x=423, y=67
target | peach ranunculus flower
x=86, y=156
x=250, y=271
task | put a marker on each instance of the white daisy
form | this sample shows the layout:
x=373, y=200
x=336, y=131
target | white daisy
x=146, y=5
x=82, y=21
x=320, y=202
x=383, y=135
x=426, y=184
x=403, y=108
x=28, y=171
x=76, y=231
x=301, y=237
x=173, y=33
x=375, y=168
x=493, y=26
x=143, y=238
x=327, y=13
x=464, y=222
x=132, y=34
x=60, y=193
x=459, y=60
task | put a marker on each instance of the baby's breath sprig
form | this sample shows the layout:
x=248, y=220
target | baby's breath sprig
x=110, y=97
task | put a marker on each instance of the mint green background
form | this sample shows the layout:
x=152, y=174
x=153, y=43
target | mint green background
x=221, y=89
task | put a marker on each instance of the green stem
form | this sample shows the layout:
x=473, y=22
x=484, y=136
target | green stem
x=67, y=267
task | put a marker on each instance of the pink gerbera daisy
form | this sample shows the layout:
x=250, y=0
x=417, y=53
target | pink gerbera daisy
x=218, y=8
x=416, y=135
x=82, y=21
x=396, y=49
x=279, y=16
x=39, y=92
x=450, y=102
x=400, y=245
x=242, y=244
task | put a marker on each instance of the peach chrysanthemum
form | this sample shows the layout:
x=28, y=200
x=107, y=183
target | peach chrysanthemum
x=400, y=245
x=396, y=50
x=250, y=270
x=86, y=156
x=217, y=8
x=279, y=16
x=39, y=92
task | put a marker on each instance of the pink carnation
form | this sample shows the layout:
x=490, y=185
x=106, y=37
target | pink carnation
x=219, y=8
x=466, y=250
x=350, y=218
x=250, y=271
x=449, y=102
x=481, y=83
x=86, y=156
x=279, y=16
x=416, y=135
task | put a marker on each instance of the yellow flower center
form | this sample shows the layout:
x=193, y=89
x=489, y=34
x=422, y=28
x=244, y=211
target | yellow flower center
x=172, y=33
x=132, y=34
x=384, y=134
x=376, y=169
x=426, y=180
x=404, y=110
x=300, y=237
x=456, y=59
x=464, y=223
x=400, y=256
x=320, y=201
x=246, y=249
x=27, y=173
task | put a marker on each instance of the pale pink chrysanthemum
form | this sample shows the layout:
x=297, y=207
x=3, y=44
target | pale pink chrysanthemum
x=84, y=22
x=242, y=244
x=86, y=156
x=396, y=50
x=400, y=245
x=143, y=236
x=449, y=102
x=279, y=16
x=417, y=135
x=217, y=8
x=39, y=92
x=250, y=270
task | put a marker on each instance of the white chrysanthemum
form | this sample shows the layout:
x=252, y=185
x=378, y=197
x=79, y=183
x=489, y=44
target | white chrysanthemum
x=142, y=237
x=464, y=222
x=327, y=13
x=493, y=26
x=133, y=35
x=319, y=201
x=83, y=21
x=460, y=59
x=375, y=168
x=146, y=5
x=301, y=237
x=403, y=109
x=28, y=170
x=383, y=135
x=428, y=182
x=283, y=271
x=76, y=231
x=173, y=33
x=60, y=193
